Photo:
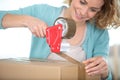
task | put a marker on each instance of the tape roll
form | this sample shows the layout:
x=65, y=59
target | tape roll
x=69, y=27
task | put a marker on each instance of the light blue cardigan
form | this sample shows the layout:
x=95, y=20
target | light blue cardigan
x=96, y=41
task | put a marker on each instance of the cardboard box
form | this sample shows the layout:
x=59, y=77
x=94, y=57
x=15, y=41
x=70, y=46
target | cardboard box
x=41, y=69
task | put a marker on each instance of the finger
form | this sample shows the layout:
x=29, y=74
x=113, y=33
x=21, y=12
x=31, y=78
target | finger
x=86, y=62
x=41, y=33
x=44, y=29
x=99, y=71
x=95, y=68
x=36, y=31
x=33, y=30
x=92, y=64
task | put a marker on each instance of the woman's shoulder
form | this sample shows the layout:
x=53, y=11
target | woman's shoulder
x=94, y=28
x=94, y=31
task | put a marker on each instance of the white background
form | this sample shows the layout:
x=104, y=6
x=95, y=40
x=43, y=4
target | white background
x=15, y=42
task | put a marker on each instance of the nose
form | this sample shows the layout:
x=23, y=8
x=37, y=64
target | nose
x=84, y=11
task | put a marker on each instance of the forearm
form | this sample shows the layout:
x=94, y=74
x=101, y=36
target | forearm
x=10, y=20
x=35, y=25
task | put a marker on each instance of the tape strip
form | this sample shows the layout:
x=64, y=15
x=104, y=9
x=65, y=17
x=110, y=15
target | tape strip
x=81, y=70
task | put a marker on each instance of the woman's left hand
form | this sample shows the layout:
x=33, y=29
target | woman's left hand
x=96, y=65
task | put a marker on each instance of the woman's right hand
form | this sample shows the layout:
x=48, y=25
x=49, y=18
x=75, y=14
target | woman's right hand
x=36, y=26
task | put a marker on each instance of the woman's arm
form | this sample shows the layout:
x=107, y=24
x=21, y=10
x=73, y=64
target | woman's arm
x=36, y=26
x=10, y=20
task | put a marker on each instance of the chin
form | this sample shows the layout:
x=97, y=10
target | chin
x=77, y=20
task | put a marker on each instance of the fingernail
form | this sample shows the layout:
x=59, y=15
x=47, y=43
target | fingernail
x=87, y=71
x=86, y=67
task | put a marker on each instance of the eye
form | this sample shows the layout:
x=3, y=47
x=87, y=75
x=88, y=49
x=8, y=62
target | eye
x=94, y=10
x=83, y=2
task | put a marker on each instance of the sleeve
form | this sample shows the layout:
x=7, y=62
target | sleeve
x=34, y=10
x=20, y=11
x=1, y=16
x=101, y=47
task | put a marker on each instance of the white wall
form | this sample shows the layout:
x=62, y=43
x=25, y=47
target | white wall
x=114, y=36
x=15, y=4
x=15, y=42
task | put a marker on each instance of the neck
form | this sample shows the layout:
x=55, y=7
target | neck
x=78, y=24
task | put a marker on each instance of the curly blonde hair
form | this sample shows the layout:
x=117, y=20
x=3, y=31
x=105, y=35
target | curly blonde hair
x=109, y=16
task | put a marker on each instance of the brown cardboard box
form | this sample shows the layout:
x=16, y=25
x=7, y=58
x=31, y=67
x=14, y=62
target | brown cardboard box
x=40, y=69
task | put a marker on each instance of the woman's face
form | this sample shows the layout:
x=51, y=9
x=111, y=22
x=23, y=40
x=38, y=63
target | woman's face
x=83, y=10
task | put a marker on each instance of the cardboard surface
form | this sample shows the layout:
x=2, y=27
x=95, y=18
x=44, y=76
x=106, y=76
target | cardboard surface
x=40, y=69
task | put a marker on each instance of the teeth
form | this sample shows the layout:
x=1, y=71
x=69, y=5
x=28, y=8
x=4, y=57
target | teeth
x=78, y=15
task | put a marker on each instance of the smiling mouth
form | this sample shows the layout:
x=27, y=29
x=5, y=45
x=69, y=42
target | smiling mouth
x=78, y=16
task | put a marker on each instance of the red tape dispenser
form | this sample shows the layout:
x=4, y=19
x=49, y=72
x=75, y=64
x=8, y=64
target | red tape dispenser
x=63, y=29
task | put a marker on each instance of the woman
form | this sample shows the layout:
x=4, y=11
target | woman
x=91, y=39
